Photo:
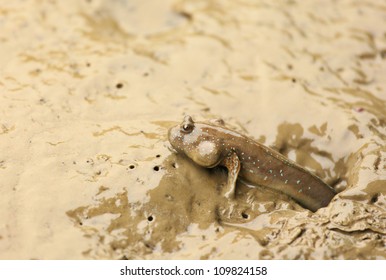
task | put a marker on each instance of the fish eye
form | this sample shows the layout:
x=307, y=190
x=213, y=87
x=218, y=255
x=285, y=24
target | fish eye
x=187, y=127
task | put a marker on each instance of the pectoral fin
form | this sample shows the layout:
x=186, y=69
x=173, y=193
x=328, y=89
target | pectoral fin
x=232, y=163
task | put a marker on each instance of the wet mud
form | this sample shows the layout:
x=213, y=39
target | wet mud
x=89, y=89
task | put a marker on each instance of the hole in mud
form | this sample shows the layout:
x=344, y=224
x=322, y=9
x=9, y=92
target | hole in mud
x=148, y=245
x=119, y=85
x=244, y=215
x=266, y=255
x=158, y=156
x=283, y=149
x=185, y=15
x=132, y=166
x=174, y=165
x=150, y=218
x=156, y=168
x=374, y=198
x=263, y=242
x=293, y=80
x=80, y=223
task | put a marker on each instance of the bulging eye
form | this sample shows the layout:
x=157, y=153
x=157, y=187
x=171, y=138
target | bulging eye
x=187, y=127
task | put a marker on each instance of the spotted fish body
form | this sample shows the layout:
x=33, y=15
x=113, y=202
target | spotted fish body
x=210, y=145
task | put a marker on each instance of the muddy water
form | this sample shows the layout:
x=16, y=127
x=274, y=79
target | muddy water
x=88, y=90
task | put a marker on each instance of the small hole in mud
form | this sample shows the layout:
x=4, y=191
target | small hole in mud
x=132, y=166
x=186, y=15
x=150, y=218
x=80, y=223
x=266, y=255
x=244, y=215
x=158, y=156
x=294, y=80
x=156, y=168
x=174, y=165
x=119, y=85
x=374, y=198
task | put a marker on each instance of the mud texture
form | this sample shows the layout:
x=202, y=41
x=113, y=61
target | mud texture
x=88, y=90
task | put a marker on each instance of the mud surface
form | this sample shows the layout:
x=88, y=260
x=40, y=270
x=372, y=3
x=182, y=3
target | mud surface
x=88, y=90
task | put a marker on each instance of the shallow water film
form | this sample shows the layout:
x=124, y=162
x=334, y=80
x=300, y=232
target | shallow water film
x=89, y=89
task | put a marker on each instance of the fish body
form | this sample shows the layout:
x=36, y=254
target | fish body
x=210, y=145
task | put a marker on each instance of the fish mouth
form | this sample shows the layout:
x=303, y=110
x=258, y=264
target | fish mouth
x=169, y=144
x=173, y=137
x=171, y=148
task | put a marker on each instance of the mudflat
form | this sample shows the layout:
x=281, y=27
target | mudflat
x=89, y=89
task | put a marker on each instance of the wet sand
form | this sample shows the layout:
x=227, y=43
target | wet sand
x=89, y=89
